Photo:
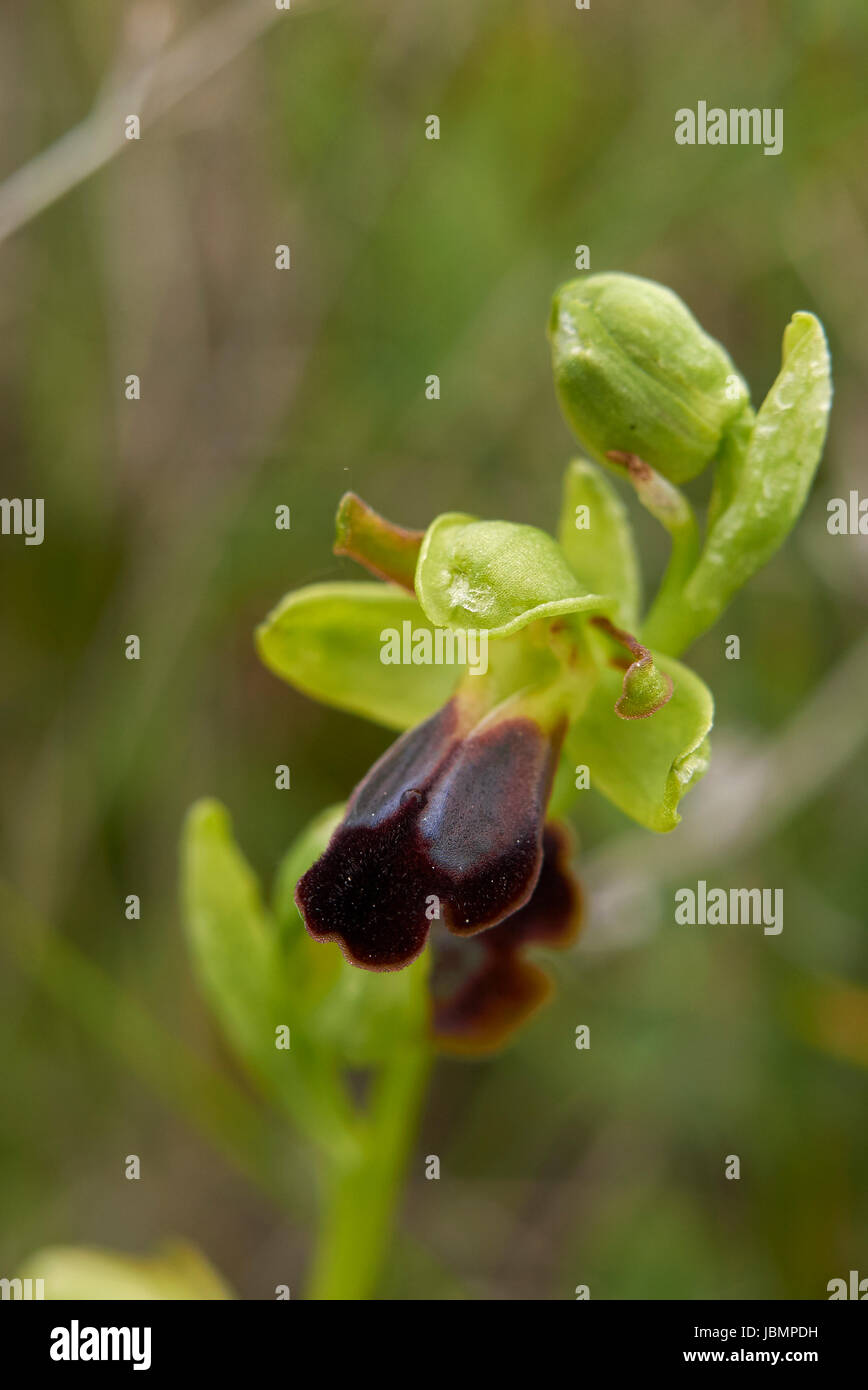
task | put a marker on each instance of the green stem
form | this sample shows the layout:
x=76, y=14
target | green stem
x=674, y=622
x=657, y=630
x=670, y=507
x=361, y=1194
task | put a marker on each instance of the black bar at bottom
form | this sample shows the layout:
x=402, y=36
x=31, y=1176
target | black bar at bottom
x=228, y=1338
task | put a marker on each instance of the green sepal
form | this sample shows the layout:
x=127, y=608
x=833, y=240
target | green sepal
x=602, y=555
x=326, y=641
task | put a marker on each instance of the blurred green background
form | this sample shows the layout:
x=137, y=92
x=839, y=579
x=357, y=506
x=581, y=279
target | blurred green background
x=412, y=257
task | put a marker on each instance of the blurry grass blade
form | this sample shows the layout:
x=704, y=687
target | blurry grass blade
x=829, y=1014
x=118, y=1022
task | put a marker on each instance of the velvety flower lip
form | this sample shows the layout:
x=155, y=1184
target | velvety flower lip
x=447, y=826
x=368, y=891
x=484, y=989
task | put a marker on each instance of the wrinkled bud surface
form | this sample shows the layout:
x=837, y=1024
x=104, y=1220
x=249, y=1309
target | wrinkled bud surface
x=446, y=826
x=635, y=372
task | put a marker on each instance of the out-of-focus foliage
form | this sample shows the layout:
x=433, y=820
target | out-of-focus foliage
x=260, y=389
x=177, y=1272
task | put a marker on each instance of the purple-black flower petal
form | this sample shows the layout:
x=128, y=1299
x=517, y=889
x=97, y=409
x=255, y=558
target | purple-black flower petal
x=482, y=824
x=368, y=891
x=446, y=826
x=484, y=989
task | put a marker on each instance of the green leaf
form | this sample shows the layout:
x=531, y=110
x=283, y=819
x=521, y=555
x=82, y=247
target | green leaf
x=601, y=554
x=326, y=640
x=496, y=575
x=767, y=485
x=232, y=940
x=645, y=765
x=244, y=976
x=79, y=1272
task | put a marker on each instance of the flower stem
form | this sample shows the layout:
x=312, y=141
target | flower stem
x=671, y=508
x=361, y=1194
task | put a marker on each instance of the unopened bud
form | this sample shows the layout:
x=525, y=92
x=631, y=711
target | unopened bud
x=635, y=372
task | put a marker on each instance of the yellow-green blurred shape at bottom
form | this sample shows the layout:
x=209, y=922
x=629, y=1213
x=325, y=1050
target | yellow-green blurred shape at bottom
x=176, y=1271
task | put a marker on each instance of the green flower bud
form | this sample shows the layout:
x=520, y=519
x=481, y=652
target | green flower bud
x=635, y=372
